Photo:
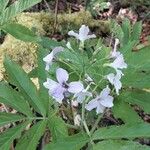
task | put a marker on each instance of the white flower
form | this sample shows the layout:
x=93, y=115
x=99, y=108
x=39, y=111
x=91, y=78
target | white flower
x=115, y=80
x=58, y=89
x=101, y=102
x=80, y=97
x=118, y=63
x=49, y=58
x=83, y=34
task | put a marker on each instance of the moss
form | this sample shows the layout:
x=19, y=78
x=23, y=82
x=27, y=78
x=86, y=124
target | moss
x=24, y=53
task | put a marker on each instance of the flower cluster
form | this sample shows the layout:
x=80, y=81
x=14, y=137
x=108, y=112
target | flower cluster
x=62, y=89
x=118, y=64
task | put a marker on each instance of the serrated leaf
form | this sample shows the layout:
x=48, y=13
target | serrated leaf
x=75, y=142
x=20, y=32
x=6, y=118
x=57, y=128
x=123, y=131
x=7, y=137
x=119, y=145
x=41, y=74
x=138, y=97
x=126, y=27
x=16, y=8
x=137, y=73
x=123, y=110
x=48, y=43
x=136, y=32
x=25, y=85
x=30, y=139
x=3, y=4
x=13, y=99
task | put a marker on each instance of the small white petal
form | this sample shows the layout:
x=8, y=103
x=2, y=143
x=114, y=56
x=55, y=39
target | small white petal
x=48, y=58
x=72, y=33
x=58, y=93
x=75, y=87
x=92, y=104
x=50, y=84
x=57, y=50
x=62, y=75
x=83, y=33
x=105, y=92
x=115, y=80
x=80, y=97
x=119, y=63
x=100, y=108
x=107, y=102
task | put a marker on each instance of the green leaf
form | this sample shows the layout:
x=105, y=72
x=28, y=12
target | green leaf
x=7, y=137
x=16, y=8
x=126, y=27
x=30, y=139
x=41, y=74
x=123, y=110
x=123, y=131
x=58, y=128
x=138, y=97
x=3, y=4
x=136, y=32
x=20, y=32
x=119, y=145
x=13, y=99
x=49, y=43
x=138, y=72
x=26, y=86
x=6, y=118
x=75, y=142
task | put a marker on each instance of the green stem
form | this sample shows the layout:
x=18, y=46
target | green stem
x=96, y=124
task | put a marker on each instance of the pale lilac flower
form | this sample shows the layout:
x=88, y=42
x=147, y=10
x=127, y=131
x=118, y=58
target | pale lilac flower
x=58, y=89
x=101, y=102
x=118, y=63
x=80, y=97
x=49, y=58
x=115, y=80
x=83, y=33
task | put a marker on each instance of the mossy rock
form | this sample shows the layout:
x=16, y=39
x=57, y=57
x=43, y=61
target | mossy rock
x=24, y=53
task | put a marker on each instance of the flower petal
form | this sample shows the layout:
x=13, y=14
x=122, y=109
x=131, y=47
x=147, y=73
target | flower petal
x=119, y=63
x=72, y=33
x=48, y=58
x=83, y=33
x=100, y=108
x=58, y=93
x=80, y=97
x=111, y=78
x=62, y=75
x=57, y=50
x=105, y=92
x=92, y=104
x=75, y=87
x=50, y=84
x=107, y=102
x=91, y=36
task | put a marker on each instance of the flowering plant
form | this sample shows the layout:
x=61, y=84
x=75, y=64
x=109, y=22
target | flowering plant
x=79, y=83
